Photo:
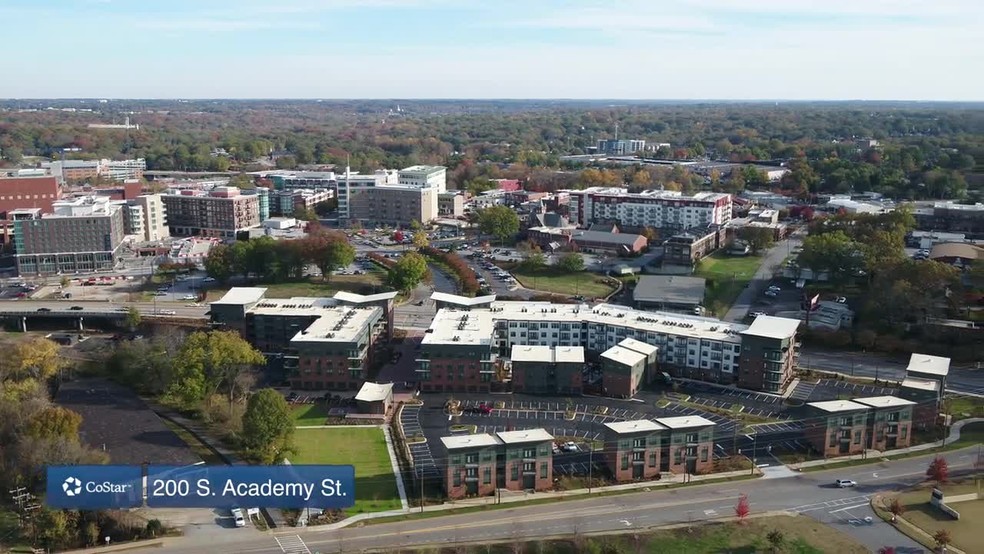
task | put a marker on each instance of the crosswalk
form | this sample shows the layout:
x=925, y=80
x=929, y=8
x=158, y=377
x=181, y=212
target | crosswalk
x=292, y=544
x=802, y=391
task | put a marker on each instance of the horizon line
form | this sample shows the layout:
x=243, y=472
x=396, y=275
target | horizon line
x=490, y=99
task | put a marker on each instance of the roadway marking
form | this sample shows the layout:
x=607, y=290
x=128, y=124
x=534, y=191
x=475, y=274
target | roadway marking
x=625, y=522
x=292, y=545
x=710, y=512
x=846, y=509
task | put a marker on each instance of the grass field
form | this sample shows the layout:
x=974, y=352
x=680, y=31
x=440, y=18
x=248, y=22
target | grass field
x=801, y=535
x=309, y=414
x=315, y=287
x=963, y=407
x=363, y=447
x=726, y=277
x=964, y=532
x=590, y=285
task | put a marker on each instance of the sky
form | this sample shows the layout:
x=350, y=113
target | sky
x=609, y=49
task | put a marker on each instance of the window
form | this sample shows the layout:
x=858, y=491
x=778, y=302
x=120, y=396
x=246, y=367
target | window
x=543, y=470
x=487, y=476
x=625, y=461
x=678, y=456
x=857, y=437
x=903, y=432
x=457, y=479
x=638, y=443
x=652, y=459
x=514, y=474
x=638, y=456
x=703, y=454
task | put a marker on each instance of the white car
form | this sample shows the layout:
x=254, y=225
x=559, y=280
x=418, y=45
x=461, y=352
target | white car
x=209, y=280
x=237, y=516
x=189, y=297
x=845, y=483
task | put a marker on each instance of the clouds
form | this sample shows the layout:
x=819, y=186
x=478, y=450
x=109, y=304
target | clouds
x=747, y=49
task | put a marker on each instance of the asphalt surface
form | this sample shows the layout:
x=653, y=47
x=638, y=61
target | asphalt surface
x=757, y=285
x=960, y=380
x=811, y=494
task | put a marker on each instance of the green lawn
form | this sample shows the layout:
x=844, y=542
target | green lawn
x=589, y=285
x=309, y=414
x=362, y=447
x=963, y=407
x=315, y=287
x=726, y=277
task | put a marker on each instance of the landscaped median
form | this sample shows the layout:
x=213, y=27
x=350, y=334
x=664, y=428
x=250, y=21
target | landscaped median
x=921, y=521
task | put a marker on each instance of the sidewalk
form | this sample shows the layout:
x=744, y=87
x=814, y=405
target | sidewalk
x=874, y=454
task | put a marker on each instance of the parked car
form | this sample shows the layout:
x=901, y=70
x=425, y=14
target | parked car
x=845, y=483
x=292, y=397
x=756, y=314
x=208, y=280
x=569, y=446
x=484, y=409
x=44, y=309
x=76, y=308
x=237, y=516
x=841, y=300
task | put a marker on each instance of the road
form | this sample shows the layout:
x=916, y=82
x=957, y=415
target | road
x=772, y=258
x=960, y=380
x=808, y=493
x=146, y=308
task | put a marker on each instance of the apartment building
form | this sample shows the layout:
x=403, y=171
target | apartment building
x=633, y=448
x=547, y=369
x=82, y=235
x=689, y=247
x=391, y=197
x=451, y=204
x=837, y=427
x=222, y=212
x=285, y=203
x=511, y=460
x=668, y=210
x=471, y=465
x=424, y=176
x=690, y=346
x=146, y=217
x=889, y=422
x=622, y=370
x=691, y=444
x=74, y=171
x=324, y=343
x=925, y=384
x=768, y=354
x=620, y=147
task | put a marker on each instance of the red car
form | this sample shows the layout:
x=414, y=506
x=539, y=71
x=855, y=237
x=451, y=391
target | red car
x=484, y=409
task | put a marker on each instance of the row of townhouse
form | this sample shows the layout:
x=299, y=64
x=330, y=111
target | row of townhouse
x=469, y=343
x=478, y=464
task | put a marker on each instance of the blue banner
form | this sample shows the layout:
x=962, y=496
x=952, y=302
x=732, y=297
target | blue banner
x=282, y=486
x=94, y=487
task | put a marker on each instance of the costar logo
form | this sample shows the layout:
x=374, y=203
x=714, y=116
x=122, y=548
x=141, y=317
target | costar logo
x=72, y=486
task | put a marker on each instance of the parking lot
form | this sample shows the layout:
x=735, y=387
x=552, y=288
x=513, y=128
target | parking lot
x=423, y=458
x=725, y=398
x=833, y=389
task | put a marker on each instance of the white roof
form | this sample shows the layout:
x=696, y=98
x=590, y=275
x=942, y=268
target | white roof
x=339, y=324
x=460, y=327
x=462, y=300
x=884, y=401
x=560, y=354
x=834, y=406
x=684, y=422
x=353, y=298
x=638, y=346
x=374, y=392
x=242, y=295
x=921, y=384
x=526, y=435
x=456, y=442
x=623, y=355
x=773, y=327
x=635, y=426
x=928, y=365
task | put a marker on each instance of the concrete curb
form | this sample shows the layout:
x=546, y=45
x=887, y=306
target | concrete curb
x=121, y=547
x=910, y=529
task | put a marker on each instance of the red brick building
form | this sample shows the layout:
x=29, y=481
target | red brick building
x=889, y=422
x=690, y=448
x=28, y=192
x=525, y=460
x=456, y=353
x=837, y=427
x=633, y=448
x=471, y=465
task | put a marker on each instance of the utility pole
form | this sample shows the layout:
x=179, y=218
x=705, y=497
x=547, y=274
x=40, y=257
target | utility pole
x=754, y=453
x=590, y=465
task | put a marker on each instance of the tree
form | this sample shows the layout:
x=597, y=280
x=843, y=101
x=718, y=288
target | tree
x=132, y=318
x=758, y=238
x=499, y=221
x=408, y=272
x=420, y=240
x=267, y=426
x=329, y=250
x=416, y=226
x=742, y=508
x=207, y=362
x=897, y=508
x=33, y=358
x=572, y=262
x=398, y=236
x=776, y=539
x=55, y=422
x=220, y=263
x=305, y=214
x=938, y=470
x=942, y=539
x=534, y=261
x=834, y=253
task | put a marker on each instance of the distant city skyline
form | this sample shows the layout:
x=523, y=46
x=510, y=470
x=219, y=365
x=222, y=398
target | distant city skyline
x=624, y=49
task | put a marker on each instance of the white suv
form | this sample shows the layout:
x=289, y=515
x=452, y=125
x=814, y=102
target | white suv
x=237, y=515
x=845, y=483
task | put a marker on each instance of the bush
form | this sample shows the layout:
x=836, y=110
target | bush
x=381, y=260
x=454, y=263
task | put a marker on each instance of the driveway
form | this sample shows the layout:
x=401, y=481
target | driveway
x=759, y=282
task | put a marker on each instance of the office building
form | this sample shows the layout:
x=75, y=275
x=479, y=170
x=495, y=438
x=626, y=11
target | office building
x=620, y=147
x=82, y=235
x=381, y=199
x=889, y=422
x=463, y=345
x=952, y=217
x=123, y=170
x=668, y=210
x=26, y=193
x=221, y=212
x=690, y=445
x=547, y=369
x=633, y=449
x=146, y=218
x=768, y=354
x=837, y=427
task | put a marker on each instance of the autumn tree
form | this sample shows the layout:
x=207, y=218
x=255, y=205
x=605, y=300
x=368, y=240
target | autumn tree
x=757, y=238
x=938, y=470
x=31, y=358
x=220, y=264
x=329, y=250
x=834, y=253
x=268, y=428
x=132, y=318
x=420, y=240
x=499, y=221
x=896, y=508
x=408, y=272
x=742, y=508
x=55, y=422
x=942, y=539
x=209, y=362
